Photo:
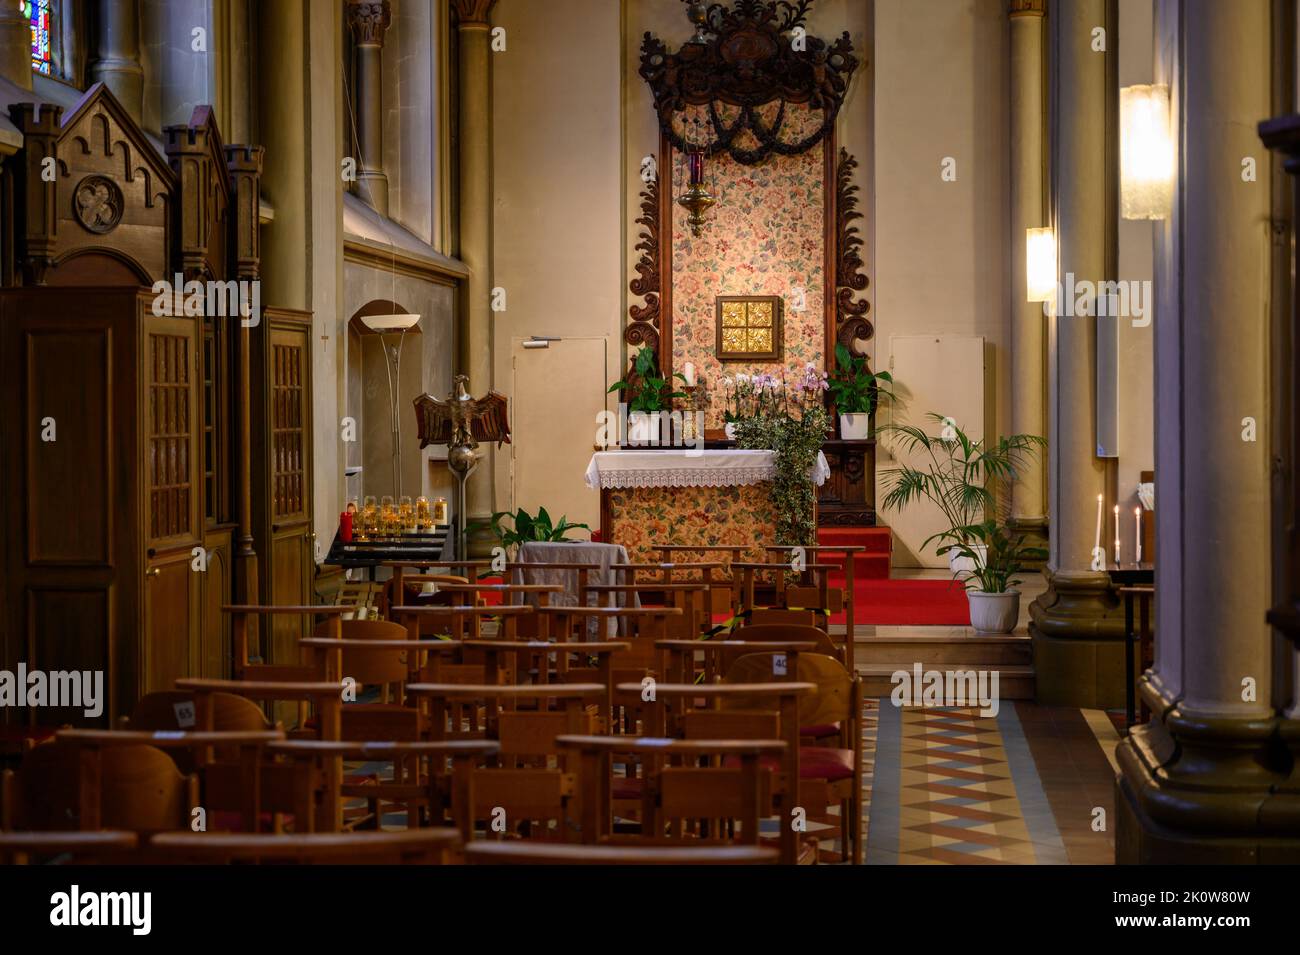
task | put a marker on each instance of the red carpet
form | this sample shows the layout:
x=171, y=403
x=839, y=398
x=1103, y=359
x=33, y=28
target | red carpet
x=878, y=541
x=909, y=602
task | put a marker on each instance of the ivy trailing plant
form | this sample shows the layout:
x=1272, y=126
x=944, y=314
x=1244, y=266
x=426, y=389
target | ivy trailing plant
x=796, y=441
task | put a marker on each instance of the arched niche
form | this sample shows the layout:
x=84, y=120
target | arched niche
x=369, y=402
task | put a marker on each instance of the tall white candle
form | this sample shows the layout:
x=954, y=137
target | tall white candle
x=1099, y=503
x=1116, y=535
x=1137, y=519
x=689, y=372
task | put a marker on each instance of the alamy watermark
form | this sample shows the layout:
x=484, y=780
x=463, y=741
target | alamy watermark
x=56, y=688
x=651, y=429
x=240, y=299
x=1124, y=298
x=950, y=688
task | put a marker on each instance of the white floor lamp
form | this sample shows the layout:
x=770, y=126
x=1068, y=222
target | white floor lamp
x=399, y=325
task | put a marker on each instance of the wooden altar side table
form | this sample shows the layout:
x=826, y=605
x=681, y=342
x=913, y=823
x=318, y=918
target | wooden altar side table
x=1135, y=584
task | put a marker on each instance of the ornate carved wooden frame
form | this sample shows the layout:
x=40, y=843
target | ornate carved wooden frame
x=846, y=314
x=745, y=29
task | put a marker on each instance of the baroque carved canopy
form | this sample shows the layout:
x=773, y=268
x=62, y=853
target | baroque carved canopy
x=753, y=58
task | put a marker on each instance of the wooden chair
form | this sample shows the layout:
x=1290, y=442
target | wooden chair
x=78, y=848
x=248, y=667
x=136, y=788
x=818, y=552
x=826, y=773
x=691, y=598
x=530, y=853
x=726, y=555
x=817, y=596
x=687, y=792
x=461, y=623
x=736, y=711
x=706, y=661
x=413, y=847
x=175, y=710
x=531, y=780
x=541, y=662
x=227, y=765
x=434, y=775
x=327, y=699
x=640, y=627
x=778, y=632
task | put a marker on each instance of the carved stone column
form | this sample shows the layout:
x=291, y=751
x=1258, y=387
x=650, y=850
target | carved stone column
x=115, y=53
x=15, y=46
x=1028, y=387
x=474, y=335
x=1077, y=626
x=369, y=21
x=1207, y=779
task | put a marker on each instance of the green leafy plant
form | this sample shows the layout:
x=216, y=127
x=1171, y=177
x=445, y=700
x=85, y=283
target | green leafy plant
x=854, y=387
x=960, y=476
x=997, y=569
x=646, y=385
x=524, y=527
x=796, y=441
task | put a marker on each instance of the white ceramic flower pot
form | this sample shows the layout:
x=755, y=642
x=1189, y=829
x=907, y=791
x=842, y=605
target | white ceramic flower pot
x=959, y=563
x=994, y=613
x=642, y=428
x=855, y=427
x=730, y=430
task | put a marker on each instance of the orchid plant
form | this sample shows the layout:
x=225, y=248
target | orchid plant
x=764, y=395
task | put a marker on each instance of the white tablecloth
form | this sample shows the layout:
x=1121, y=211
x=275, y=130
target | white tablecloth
x=723, y=468
x=600, y=556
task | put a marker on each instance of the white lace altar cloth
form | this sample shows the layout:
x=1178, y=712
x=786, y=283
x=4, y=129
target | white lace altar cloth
x=678, y=468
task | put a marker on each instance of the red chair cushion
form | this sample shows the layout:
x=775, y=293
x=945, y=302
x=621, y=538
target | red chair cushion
x=626, y=787
x=815, y=762
x=820, y=730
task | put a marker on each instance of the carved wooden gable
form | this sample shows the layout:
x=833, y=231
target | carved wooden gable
x=94, y=188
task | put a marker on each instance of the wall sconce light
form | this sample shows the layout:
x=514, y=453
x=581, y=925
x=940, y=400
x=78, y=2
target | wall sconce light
x=1146, y=153
x=1040, y=264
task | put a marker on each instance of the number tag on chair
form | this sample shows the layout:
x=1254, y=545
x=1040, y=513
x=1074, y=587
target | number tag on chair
x=168, y=734
x=185, y=717
x=779, y=665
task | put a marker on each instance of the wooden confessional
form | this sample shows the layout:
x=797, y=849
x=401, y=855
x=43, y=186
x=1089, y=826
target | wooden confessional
x=157, y=449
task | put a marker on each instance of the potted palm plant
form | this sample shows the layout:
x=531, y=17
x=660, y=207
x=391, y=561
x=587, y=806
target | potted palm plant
x=648, y=400
x=959, y=476
x=997, y=557
x=856, y=391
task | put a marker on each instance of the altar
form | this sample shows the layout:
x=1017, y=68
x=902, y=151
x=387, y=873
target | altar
x=684, y=497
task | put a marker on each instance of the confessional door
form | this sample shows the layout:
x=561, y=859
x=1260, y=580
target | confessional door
x=170, y=473
x=282, y=456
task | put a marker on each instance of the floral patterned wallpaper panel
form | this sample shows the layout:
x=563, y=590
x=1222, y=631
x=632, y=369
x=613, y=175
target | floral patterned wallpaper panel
x=764, y=237
x=709, y=516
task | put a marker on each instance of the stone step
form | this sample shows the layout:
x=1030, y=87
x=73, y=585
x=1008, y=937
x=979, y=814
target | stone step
x=1014, y=682
x=975, y=649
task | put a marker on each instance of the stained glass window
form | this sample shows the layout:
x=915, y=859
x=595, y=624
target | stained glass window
x=40, y=17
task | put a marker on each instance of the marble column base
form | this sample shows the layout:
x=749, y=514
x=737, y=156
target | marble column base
x=1205, y=790
x=1077, y=628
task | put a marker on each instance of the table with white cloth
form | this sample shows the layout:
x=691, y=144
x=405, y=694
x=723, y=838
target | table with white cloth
x=683, y=497
x=601, y=557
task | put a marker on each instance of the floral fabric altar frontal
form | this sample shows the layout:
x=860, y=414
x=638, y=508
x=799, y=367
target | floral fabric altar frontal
x=710, y=498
